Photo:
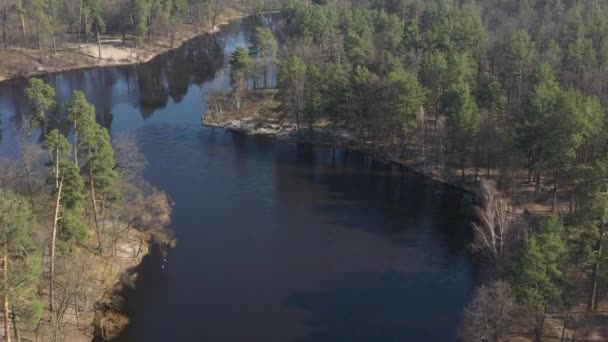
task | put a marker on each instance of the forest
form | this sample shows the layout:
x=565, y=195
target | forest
x=75, y=214
x=41, y=36
x=504, y=97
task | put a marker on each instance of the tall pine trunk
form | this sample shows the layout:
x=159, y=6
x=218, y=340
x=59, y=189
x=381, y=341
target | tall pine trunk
x=16, y=327
x=4, y=20
x=22, y=17
x=593, y=297
x=98, y=41
x=75, y=142
x=555, y=188
x=80, y=25
x=94, y=203
x=5, y=306
x=39, y=45
x=53, y=33
x=53, y=243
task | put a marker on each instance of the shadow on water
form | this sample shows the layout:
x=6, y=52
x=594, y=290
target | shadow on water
x=380, y=306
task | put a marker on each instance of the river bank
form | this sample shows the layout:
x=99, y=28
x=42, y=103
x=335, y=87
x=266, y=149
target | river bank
x=261, y=117
x=99, y=278
x=22, y=62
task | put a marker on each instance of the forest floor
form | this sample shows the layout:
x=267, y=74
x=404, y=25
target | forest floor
x=22, y=62
x=108, y=271
x=260, y=117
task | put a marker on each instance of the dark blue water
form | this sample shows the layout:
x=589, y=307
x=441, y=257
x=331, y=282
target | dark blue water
x=276, y=241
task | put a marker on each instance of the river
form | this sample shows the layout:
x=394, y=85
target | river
x=275, y=241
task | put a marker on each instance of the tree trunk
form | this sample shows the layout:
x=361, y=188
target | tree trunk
x=265, y=71
x=555, y=188
x=77, y=311
x=86, y=25
x=149, y=23
x=476, y=160
x=94, y=203
x=98, y=41
x=39, y=45
x=16, y=327
x=519, y=83
x=7, y=324
x=564, y=329
x=437, y=106
x=538, y=331
x=22, y=18
x=298, y=119
x=538, y=175
x=4, y=20
x=593, y=299
x=572, y=200
x=53, y=243
x=422, y=132
x=75, y=142
x=28, y=170
x=80, y=25
x=53, y=33
x=463, y=161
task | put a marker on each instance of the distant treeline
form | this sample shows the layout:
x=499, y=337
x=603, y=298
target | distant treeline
x=47, y=25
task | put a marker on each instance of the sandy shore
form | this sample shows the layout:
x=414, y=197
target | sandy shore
x=20, y=62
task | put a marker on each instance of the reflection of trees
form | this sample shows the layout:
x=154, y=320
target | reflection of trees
x=170, y=75
x=152, y=94
x=17, y=100
x=102, y=97
x=206, y=57
x=106, y=118
x=149, y=85
x=177, y=74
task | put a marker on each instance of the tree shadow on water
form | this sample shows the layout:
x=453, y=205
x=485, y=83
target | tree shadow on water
x=384, y=306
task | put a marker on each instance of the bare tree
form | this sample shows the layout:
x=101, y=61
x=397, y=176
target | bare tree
x=493, y=228
x=488, y=317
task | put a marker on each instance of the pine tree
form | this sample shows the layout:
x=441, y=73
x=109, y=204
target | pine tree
x=21, y=261
x=409, y=100
x=93, y=145
x=241, y=66
x=40, y=100
x=464, y=120
x=68, y=199
x=264, y=46
x=538, y=278
x=292, y=81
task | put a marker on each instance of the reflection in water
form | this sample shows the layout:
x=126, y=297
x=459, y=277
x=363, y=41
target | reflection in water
x=147, y=87
x=276, y=241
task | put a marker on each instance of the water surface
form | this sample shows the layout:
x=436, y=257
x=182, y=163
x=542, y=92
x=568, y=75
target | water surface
x=276, y=241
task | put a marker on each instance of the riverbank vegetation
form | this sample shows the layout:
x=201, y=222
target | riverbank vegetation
x=42, y=36
x=507, y=95
x=75, y=215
